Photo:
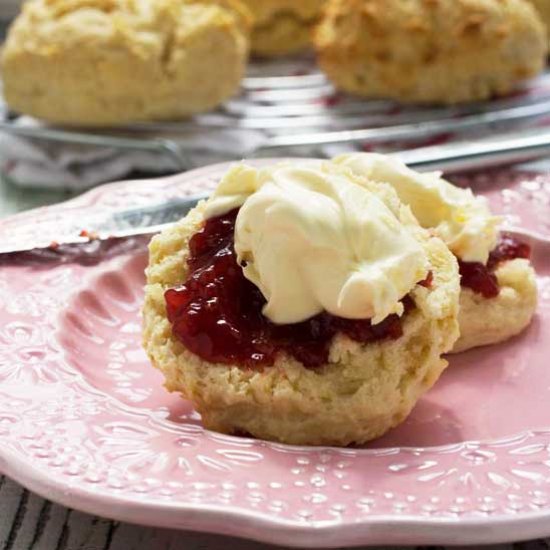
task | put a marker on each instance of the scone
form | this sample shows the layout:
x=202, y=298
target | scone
x=543, y=7
x=109, y=62
x=300, y=304
x=283, y=27
x=486, y=321
x=444, y=51
x=499, y=290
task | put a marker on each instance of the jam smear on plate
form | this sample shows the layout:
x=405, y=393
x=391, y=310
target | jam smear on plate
x=217, y=313
x=481, y=278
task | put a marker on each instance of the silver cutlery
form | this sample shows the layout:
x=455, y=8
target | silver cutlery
x=452, y=157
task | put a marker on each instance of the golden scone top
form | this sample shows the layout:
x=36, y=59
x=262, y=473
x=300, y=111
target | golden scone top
x=132, y=16
x=314, y=238
x=132, y=12
x=265, y=11
x=543, y=8
x=283, y=27
x=59, y=8
x=436, y=51
x=109, y=62
x=461, y=219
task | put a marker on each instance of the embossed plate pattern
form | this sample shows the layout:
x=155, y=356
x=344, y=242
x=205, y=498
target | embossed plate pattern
x=84, y=419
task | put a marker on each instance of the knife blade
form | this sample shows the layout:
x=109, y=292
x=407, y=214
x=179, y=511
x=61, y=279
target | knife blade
x=453, y=157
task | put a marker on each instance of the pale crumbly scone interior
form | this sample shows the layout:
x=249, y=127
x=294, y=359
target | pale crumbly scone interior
x=360, y=394
x=444, y=51
x=108, y=62
x=485, y=321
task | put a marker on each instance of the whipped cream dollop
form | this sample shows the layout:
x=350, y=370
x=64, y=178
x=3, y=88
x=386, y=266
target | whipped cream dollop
x=312, y=237
x=462, y=220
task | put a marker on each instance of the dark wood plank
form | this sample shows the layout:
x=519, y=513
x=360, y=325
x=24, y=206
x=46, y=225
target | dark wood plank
x=50, y=527
x=11, y=496
x=85, y=531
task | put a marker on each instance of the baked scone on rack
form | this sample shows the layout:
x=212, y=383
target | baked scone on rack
x=543, y=7
x=442, y=52
x=300, y=304
x=499, y=289
x=110, y=62
x=283, y=27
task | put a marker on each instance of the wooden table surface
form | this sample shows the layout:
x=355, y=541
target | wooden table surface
x=28, y=522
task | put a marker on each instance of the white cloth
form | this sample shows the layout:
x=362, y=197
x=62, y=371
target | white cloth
x=30, y=162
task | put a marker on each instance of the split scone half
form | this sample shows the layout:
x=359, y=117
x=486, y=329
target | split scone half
x=283, y=27
x=300, y=304
x=499, y=289
x=419, y=51
x=110, y=62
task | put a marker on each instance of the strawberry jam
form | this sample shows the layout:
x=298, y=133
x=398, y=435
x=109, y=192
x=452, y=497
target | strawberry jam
x=481, y=278
x=217, y=312
x=508, y=248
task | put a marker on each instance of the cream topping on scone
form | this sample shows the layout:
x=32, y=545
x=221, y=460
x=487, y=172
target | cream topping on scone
x=461, y=219
x=313, y=238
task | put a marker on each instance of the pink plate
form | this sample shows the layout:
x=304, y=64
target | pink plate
x=85, y=421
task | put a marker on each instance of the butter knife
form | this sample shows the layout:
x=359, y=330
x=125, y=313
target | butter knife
x=452, y=157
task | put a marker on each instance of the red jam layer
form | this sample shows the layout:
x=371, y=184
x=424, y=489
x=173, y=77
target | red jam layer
x=481, y=278
x=217, y=312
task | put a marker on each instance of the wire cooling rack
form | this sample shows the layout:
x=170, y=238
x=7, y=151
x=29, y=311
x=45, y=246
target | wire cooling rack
x=289, y=108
